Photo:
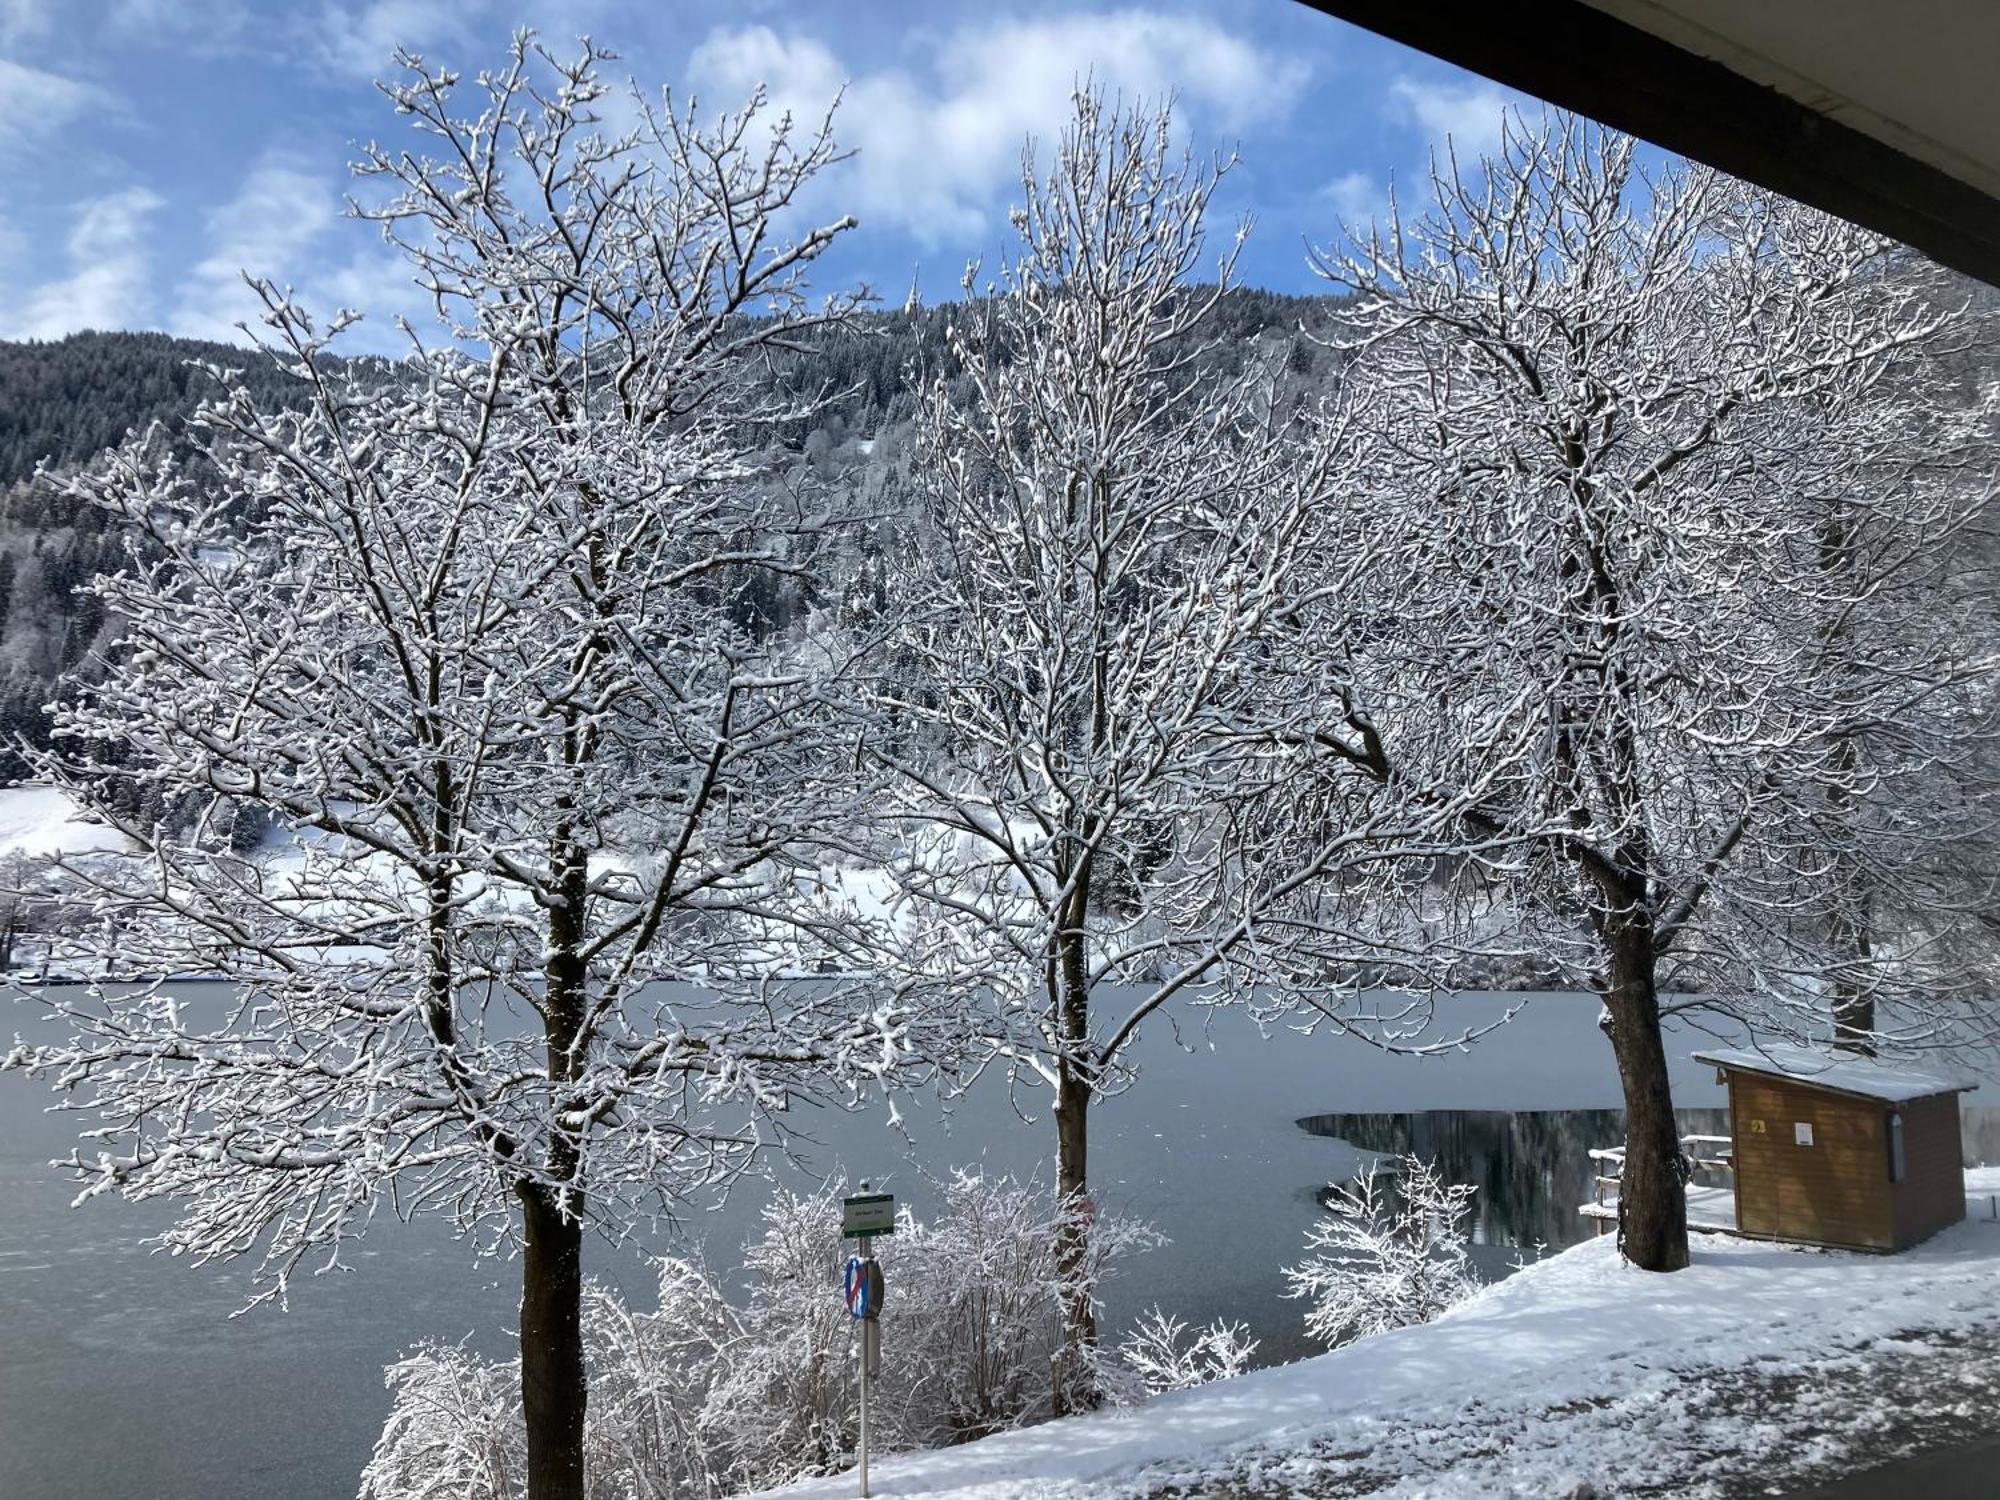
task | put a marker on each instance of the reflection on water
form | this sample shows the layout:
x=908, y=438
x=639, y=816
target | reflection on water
x=1533, y=1167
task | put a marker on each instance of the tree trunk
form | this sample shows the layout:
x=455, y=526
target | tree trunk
x=1652, y=1188
x=1075, y=1386
x=1075, y=1379
x=553, y=1392
x=554, y=1385
x=1854, y=1023
x=1853, y=1000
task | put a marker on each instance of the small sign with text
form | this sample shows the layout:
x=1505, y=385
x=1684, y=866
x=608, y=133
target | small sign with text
x=868, y=1214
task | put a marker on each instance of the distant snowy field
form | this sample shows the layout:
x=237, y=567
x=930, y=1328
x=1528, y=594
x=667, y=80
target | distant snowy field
x=41, y=820
x=1578, y=1377
x=37, y=821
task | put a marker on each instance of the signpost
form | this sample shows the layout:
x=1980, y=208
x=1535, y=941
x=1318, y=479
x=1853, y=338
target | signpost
x=862, y=1217
x=866, y=1215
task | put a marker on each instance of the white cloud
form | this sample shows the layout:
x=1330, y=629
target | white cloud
x=204, y=27
x=34, y=102
x=934, y=152
x=363, y=42
x=266, y=229
x=381, y=286
x=22, y=19
x=284, y=223
x=1357, y=198
x=281, y=224
x=1470, y=116
x=109, y=282
x=800, y=75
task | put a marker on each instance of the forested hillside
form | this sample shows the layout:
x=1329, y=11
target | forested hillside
x=63, y=404
x=65, y=401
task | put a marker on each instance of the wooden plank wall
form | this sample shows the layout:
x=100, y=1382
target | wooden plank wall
x=1833, y=1192
x=1932, y=1193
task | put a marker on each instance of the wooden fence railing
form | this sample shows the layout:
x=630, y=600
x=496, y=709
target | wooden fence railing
x=1705, y=1153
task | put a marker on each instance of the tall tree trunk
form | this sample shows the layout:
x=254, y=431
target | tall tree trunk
x=1075, y=1386
x=1598, y=753
x=1853, y=999
x=1075, y=1381
x=554, y=1385
x=553, y=1392
x=1849, y=926
x=1652, y=1189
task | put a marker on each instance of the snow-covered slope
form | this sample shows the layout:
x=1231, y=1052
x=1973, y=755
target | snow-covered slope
x=1509, y=1370
x=43, y=820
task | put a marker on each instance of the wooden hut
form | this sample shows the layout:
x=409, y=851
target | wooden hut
x=1838, y=1149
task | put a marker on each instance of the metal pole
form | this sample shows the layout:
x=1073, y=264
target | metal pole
x=867, y=1249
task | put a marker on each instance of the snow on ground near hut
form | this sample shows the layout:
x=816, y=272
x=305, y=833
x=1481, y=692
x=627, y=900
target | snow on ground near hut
x=1578, y=1376
x=43, y=820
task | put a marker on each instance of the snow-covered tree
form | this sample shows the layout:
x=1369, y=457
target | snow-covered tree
x=461, y=625
x=1687, y=498
x=1099, y=804
x=1872, y=914
x=1381, y=1260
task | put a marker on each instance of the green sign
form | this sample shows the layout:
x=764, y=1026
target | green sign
x=868, y=1214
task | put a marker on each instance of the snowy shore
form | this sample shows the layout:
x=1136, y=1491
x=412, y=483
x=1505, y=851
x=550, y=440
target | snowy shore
x=1576, y=1377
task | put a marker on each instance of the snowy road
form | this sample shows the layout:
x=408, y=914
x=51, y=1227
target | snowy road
x=1971, y=1472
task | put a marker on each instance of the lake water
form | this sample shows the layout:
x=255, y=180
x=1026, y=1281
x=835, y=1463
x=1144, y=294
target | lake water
x=123, y=1374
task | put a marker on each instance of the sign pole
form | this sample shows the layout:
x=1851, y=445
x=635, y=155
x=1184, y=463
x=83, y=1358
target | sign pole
x=862, y=1217
x=867, y=1251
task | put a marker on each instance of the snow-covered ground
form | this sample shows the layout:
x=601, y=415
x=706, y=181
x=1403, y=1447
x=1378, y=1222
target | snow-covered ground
x=1577, y=1377
x=37, y=820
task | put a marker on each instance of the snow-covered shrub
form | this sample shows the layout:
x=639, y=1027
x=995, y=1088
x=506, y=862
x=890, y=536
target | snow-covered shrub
x=784, y=1389
x=1163, y=1353
x=703, y=1396
x=650, y=1429
x=978, y=1315
x=454, y=1431
x=1385, y=1259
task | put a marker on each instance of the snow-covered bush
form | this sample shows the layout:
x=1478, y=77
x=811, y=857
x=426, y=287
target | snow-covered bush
x=454, y=1430
x=783, y=1390
x=1163, y=1353
x=980, y=1322
x=650, y=1429
x=1385, y=1259
x=702, y=1396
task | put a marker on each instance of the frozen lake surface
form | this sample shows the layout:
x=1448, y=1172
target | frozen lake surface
x=122, y=1373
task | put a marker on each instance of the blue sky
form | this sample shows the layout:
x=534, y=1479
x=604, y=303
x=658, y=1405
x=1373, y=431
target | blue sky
x=150, y=149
